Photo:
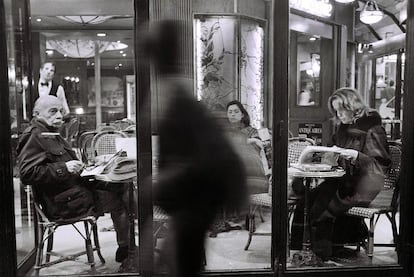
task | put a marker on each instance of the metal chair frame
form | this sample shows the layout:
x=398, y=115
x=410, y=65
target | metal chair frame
x=160, y=218
x=386, y=203
x=45, y=234
x=260, y=200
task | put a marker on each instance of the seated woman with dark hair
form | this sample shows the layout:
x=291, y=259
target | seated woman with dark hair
x=364, y=156
x=248, y=145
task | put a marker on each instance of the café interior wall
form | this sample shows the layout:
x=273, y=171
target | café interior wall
x=345, y=15
x=311, y=114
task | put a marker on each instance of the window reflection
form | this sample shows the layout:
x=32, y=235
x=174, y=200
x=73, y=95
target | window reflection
x=309, y=65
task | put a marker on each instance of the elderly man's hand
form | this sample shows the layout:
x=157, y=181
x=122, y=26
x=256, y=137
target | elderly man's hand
x=74, y=166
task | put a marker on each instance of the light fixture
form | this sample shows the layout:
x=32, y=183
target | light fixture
x=101, y=34
x=79, y=111
x=370, y=49
x=345, y=1
x=78, y=48
x=371, y=14
x=85, y=19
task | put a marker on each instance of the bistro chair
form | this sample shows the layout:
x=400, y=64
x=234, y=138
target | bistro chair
x=84, y=143
x=107, y=127
x=45, y=233
x=124, y=123
x=260, y=200
x=161, y=219
x=71, y=130
x=103, y=142
x=386, y=203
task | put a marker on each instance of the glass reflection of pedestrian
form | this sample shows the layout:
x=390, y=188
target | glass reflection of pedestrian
x=199, y=173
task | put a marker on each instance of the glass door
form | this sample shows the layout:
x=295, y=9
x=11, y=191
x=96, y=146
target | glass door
x=87, y=54
x=19, y=95
x=328, y=228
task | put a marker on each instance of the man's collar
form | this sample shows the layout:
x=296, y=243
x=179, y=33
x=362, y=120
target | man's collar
x=43, y=125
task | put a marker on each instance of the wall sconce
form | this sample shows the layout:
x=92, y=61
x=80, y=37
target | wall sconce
x=371, y=14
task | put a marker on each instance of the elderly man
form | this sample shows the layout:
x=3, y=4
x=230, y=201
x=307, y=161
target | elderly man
x=51, y=167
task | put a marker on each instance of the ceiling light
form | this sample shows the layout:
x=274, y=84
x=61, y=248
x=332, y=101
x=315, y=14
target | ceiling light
x=84, y=20
x=344, y=1
x=124, y=55
x=312, y=38
x=101, y=34
x=371, y=14
x=38, y=19
x=78, y=48
x=49, y=52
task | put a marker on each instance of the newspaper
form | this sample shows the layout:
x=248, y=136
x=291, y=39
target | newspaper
x=318, y=158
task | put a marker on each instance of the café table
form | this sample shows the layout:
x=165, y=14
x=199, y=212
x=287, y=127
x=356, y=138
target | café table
x=131, y=264
x=306, y=257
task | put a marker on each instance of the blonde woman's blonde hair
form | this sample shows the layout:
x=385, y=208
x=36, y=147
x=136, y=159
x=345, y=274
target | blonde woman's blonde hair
x=350, y=100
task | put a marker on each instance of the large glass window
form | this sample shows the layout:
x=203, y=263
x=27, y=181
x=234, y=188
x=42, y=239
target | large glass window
x=325, y=230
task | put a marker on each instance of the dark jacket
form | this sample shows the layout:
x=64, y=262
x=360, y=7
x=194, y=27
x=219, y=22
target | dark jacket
x=42, y=154
x=364, y=178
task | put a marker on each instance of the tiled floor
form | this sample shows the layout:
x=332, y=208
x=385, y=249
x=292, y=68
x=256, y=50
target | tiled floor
x=225, y=252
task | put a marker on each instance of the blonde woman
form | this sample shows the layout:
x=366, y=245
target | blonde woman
x=364, y=156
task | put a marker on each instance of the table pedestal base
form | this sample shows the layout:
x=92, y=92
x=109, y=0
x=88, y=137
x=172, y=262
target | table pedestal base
x=306, y=258
x=130, y=264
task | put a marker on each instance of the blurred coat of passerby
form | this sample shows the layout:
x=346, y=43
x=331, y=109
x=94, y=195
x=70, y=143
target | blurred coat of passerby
x=199, y=172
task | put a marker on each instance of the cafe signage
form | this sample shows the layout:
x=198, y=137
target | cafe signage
x=322, y=8
x=312, y=131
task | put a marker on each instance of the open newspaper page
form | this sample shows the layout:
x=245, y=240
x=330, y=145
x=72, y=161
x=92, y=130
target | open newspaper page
x=318, y=158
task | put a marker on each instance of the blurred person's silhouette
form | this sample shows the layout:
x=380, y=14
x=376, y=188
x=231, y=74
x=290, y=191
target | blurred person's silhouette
x=199, y=172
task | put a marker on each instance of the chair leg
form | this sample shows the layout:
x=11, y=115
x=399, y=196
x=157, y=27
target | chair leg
x=261, y=214
x=49, y=244
x=39, y=250
x=370, y=248
x=251, y=230
x=393, y=222
x=204, y=257
x=88, y=245
x=97, y=245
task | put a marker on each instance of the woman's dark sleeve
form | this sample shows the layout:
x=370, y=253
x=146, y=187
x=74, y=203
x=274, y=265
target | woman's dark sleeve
x=375, y=150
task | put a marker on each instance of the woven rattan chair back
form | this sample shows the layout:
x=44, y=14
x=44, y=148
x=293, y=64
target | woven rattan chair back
x=103, y=143
x=296, y=146
x=85, y=146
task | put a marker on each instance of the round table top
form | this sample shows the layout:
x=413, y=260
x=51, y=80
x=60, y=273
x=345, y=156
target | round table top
x=295, y=172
